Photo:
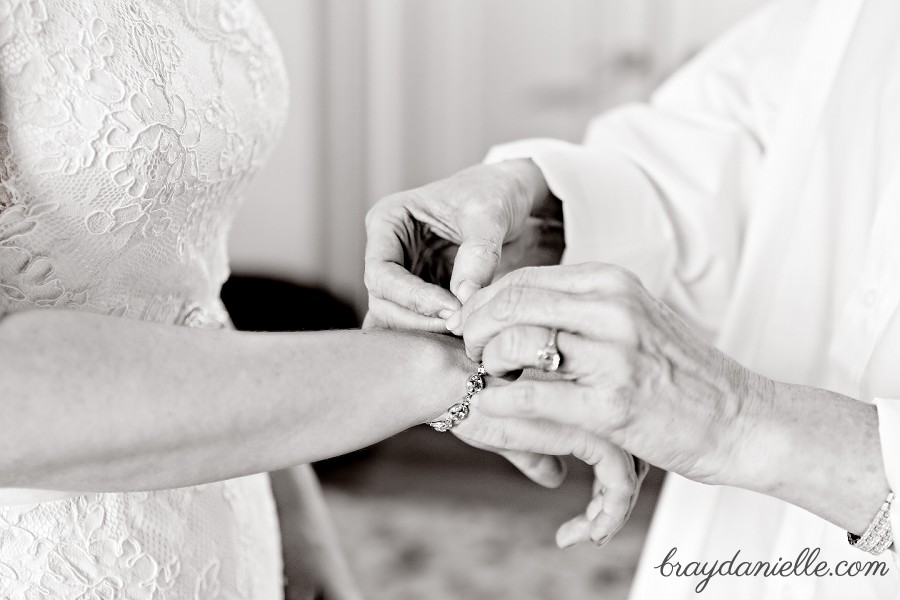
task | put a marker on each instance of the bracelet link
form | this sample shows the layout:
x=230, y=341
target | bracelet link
x=460, y=410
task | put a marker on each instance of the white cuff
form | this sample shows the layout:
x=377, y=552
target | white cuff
x=611, y=210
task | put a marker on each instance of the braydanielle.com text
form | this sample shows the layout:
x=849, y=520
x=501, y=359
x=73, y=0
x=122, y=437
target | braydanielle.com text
x=805, y=565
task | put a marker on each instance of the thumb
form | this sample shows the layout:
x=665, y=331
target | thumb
x=476, y=261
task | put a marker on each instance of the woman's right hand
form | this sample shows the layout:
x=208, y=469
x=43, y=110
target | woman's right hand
x=447, y=233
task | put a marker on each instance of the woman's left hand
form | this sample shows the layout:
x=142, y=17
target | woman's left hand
x=617, y=474
x=635, y=373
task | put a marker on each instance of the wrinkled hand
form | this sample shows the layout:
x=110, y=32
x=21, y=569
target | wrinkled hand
x=430, y=248
x=617, y=475
x=447, y=234
x=637, y=374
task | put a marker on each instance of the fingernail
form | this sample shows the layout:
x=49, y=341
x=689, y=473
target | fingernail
x=445, y=313
x=601, y=541
x=466, y=289
x=564, y=541
x=454, y=320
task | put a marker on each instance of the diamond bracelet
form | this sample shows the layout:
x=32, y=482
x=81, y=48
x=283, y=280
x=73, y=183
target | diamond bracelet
x=460, y=410
x=878, y=537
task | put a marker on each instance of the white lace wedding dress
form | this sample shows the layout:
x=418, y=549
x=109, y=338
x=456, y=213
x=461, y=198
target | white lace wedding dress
x=128, y=131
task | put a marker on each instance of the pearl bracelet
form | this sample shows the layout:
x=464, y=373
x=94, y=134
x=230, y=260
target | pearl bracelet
x=878, y=537
x=460, y=410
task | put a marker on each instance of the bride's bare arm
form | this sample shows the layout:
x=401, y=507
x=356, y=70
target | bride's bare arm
x=95, y=403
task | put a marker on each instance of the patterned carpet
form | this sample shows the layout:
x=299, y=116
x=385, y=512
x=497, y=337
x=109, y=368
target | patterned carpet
x=424, y=516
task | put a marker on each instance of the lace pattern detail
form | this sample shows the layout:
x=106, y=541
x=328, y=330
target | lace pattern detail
x=128, y=132
x=203, y=542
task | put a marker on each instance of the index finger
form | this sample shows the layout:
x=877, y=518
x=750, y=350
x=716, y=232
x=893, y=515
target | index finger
x=582, y=278
x=386, y=277
x=590, y=317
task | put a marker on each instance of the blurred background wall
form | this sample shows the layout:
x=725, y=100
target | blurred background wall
x=391, y=94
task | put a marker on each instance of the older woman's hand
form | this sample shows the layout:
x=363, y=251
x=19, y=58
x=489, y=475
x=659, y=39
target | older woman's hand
x=617, y=474
x=636, y=373
x=450, y=234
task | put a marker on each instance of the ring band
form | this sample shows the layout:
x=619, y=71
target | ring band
x=548, y=357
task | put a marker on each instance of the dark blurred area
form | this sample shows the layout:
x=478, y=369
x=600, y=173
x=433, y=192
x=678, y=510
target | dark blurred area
x=418, y=511
x=258, y=303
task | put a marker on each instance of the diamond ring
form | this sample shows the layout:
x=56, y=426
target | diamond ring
x=548, y=357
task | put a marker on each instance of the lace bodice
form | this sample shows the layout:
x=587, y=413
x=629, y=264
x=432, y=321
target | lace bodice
x=128, y=131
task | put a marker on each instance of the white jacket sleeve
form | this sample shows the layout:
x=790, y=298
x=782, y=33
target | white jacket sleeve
x=662, y=188
x=888, y=428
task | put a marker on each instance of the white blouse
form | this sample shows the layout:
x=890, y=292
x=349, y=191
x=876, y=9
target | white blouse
x=759, y=193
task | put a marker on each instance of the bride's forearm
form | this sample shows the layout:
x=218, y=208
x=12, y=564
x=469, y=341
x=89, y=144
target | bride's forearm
x=93, y=403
